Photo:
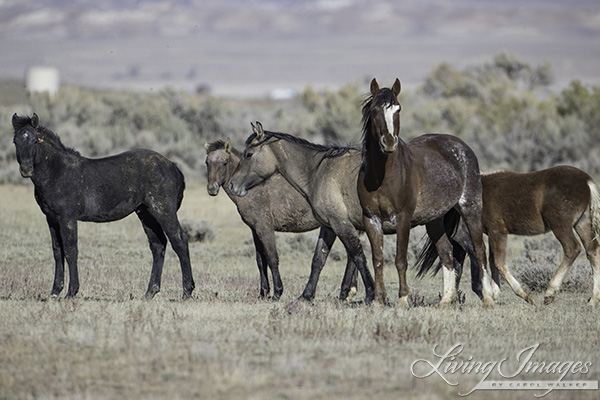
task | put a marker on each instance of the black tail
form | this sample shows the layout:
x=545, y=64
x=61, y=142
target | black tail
x=428, y=255
x=181, y=184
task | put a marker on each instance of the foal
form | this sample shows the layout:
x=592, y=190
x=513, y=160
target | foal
x=71, y=188
x=558, y=200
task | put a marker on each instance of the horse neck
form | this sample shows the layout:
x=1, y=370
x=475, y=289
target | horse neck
x=297, y=164
x=51, y=160
x=232, y=164
x=376, y=163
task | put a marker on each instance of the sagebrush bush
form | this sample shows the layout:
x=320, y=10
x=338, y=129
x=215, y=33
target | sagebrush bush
x=503, y=110
x=198, y=231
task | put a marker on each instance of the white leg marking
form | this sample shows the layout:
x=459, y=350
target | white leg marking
x=449, y=295
x=488, y=293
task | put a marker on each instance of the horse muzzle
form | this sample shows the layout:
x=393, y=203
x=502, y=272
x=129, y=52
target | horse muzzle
x=237, y=190
x=26, y=171
x=385, y=145
x=213, y=189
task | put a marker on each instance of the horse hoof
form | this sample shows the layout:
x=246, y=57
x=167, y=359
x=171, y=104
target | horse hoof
x=495, y=290
x=403, y=303
x=186, y=295
x=531, y=299
x=351, y=293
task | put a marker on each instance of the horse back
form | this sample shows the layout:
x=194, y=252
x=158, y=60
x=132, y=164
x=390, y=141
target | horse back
x=113, y=187
x=530, y=203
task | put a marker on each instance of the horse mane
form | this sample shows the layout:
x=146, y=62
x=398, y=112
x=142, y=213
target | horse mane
x=45, y=134
x=495, y=171
x=331, y=151
x=384, y=96
x=220, y=145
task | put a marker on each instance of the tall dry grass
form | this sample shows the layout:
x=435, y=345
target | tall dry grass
x=225, y=342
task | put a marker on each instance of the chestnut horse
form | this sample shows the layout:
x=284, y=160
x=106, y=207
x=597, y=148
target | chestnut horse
x=557, y=199
x=274, y=206
x=416, y=183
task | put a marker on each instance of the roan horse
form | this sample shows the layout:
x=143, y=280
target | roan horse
x=557, y=199
x=326, y=177
x=416, y=183
x=71, y=188
x=273, y=206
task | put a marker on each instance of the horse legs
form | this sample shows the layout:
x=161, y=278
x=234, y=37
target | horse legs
x=401, y=261
x=158, y=242
x=472, y=218
x=349, y=283
x=374, y=232
x=571, y=249
x=350, y=240
x=59, y=258
x=261, y=262
x=437, y=234
x=170, y=225
x=592, y=251
x=498, y=241
x=326, y=239
x=68, y=236
x=270, y=258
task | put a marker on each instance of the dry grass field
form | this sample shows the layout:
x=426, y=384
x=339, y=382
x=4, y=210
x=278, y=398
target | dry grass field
x=225, y=343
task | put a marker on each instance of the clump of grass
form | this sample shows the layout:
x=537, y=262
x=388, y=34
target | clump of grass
x=198, y=231
x=411, y=330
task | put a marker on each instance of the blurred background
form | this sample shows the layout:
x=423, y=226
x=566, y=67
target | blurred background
x=517, y=79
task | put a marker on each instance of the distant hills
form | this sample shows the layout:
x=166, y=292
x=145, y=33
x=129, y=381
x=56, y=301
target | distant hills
x=250, y=48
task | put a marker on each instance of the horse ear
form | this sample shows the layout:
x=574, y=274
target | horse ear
x=35, y=120
x=259, y=130
x=228, y=145
x=15, y=120
x=206, y=146
x=253, y=127
x=374, y=87
x=396, y=88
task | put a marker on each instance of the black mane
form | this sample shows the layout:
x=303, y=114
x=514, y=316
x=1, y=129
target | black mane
x=330, y=151
x=44, y=133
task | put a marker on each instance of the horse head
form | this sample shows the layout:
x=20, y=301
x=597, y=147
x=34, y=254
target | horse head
x=257, y=164
x=382, y=112
x=26, y=138
x=218, y=162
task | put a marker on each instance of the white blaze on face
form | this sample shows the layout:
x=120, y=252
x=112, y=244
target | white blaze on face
x=389, y=117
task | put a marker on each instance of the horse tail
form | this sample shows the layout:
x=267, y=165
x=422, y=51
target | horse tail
x=595, y=208
x=428, y=254
x=180, y=184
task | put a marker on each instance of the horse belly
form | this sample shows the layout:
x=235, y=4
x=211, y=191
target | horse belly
x=98, y=207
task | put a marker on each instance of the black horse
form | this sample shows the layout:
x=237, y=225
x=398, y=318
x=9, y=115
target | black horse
x=71, y=188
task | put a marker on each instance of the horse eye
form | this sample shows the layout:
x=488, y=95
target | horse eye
x=248, y=155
